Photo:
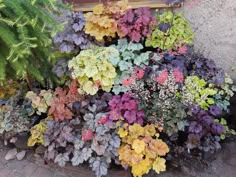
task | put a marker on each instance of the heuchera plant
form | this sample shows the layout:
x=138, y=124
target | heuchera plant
x=41, y=101
x=93, y=70
x=164, y=94
x=196, y=91
x=86, y=138
x=158, y=90
x=172, y=32
x=102, y=21
x=136, y=24
x=74, y=39
x=206, y=69
x=125, y=108
x=37, y=134
x=141, y=149
x=202, y=122
x=15, y=116
x=60, y=103
x=130, y=64
x=224, y=94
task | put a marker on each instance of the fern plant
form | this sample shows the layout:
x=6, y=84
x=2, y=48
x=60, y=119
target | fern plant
x=26, y=28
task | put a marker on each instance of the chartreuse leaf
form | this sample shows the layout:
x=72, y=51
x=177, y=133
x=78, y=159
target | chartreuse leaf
x=93, y=69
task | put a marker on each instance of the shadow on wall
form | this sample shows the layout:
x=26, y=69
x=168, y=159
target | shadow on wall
x=214, y=24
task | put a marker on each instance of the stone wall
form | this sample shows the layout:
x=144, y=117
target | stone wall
x=214, y=24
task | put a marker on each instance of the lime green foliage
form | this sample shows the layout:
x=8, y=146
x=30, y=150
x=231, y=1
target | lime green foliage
x=197, y=91
x=37, y=134
x=26, y=27
x=40, y=102
x=179, y=33
x=227, y=130
x=93, y=70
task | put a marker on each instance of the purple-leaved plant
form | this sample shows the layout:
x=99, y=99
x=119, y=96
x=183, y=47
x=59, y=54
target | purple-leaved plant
x=125, y=107
x=136, y=24
x=202, y=122
x=74, y=39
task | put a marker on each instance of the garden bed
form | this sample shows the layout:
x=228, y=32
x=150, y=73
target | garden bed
x=117, y=86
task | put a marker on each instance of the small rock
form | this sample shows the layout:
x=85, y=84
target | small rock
x=20, y=155
x=11, y=154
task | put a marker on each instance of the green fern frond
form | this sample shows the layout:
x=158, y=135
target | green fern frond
x=26, y=28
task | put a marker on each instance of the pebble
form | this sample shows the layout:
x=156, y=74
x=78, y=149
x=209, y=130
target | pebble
x=11, y=154
x=21, y=155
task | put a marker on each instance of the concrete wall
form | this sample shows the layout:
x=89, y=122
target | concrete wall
x=214, y=24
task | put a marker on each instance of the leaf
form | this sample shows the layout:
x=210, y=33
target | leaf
x=78, y=144
x=161, y=148
x=90, y=88
x=92, y=108
x=138, y=146
x=61, y=159
x=81, y=156
x=99, y=147
x=159, y=165
x=141, y=168
x=125, y=65
x=115, y=141
x=100, y=168
x=122, y=132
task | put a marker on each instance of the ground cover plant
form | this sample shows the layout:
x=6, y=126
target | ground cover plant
x=131, y=91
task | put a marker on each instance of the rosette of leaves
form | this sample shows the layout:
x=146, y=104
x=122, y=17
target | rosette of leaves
x=203, y=123
x=86, y=138
x=136, y=24
x=15, y=116
x=102, y=141
x=131, y=56
x=37, y=134
x=59, y=138
x=206, y=69
x=172, y=32
x=125, y=108
x=93, y=69
x=141, y=149
x=61, y=103
x=197, y=91
x=74, y=39
x=40, y=102
x=102, y=21
x=158, y=90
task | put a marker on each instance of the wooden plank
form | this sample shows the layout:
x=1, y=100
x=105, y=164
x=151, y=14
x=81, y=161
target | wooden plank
x=156, y=4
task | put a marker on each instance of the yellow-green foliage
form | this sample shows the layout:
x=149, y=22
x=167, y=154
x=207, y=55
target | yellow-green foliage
x=37, y=134
x=93, y=70
x=179, y=33
x=197, y=91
